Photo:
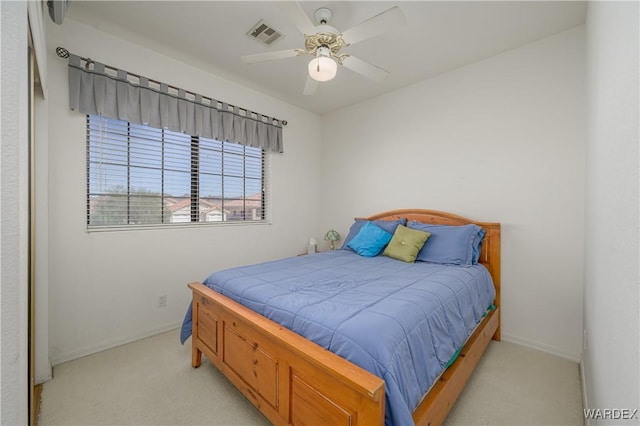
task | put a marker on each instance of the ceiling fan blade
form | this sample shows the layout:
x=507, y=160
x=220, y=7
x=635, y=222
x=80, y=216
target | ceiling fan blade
x=297, y=15
x=310, y=87
x=269, y=56
x=364, y=68
x=374, y=26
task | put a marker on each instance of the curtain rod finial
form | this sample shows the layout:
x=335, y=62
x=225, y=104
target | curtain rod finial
x=62, y=52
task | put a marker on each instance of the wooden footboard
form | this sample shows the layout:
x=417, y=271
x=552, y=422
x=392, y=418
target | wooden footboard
x=291, y=380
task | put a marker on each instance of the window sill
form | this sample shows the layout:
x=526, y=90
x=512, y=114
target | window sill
x=174, y=226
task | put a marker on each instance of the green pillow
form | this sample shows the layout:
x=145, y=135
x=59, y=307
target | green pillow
x=406, y=243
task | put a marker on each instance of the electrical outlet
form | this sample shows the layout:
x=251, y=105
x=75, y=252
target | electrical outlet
x=162, y=301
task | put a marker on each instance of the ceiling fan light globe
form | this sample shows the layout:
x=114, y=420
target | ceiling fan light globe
x=322, y=68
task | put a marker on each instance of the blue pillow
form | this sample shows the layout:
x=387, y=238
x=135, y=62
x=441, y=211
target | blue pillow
x=370, y=240
x=450, y=245
x=388, y=225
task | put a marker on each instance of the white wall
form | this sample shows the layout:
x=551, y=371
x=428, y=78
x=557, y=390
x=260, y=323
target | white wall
x=103, y=286
x=611, y=306
x=14, y=162
x=499, y=140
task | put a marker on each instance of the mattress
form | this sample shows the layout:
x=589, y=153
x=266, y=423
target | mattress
x=403, y=322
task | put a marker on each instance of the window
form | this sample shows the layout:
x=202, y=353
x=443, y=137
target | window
x=140, y=175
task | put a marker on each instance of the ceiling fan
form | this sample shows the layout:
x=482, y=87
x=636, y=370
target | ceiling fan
x=324, y=42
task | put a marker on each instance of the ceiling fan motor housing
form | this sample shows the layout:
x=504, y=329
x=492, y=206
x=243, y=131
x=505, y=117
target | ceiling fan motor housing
x=333, y=42
x=325, y=35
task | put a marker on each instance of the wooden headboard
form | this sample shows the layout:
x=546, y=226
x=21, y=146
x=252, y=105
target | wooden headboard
x=490, y=256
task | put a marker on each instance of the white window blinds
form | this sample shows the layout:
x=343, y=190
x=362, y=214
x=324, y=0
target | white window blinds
x=139, y=175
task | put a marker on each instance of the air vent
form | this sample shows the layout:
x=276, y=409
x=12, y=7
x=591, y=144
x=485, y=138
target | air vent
x=265, y=33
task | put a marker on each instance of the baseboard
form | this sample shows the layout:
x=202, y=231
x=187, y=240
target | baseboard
x=70, y=356
x=585, y=396
x=540, y=347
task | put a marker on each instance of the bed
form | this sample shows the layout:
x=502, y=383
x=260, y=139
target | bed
x=336, y=375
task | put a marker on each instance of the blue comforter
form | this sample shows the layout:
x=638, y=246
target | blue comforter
x=401, y=321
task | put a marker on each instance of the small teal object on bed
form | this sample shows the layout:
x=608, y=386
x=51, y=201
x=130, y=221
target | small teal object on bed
x=370, y=240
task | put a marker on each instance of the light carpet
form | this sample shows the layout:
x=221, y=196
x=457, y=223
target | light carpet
x=151, y=382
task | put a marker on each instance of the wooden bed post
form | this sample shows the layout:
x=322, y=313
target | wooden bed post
x=493, y=252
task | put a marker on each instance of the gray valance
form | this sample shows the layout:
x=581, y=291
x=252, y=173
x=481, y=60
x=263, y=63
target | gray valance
x=93, y=91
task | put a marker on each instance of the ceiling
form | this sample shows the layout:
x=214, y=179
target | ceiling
x=438, y=37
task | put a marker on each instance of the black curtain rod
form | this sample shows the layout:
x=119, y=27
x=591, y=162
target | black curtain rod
x=64, y=53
